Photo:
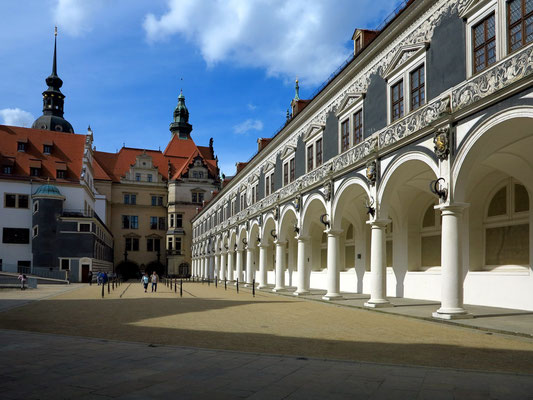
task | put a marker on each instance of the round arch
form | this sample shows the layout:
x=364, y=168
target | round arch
x=349, y=189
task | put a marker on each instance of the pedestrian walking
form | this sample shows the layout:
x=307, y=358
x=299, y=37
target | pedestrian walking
x=90, y=276
x=144, y=281
x=155, y=279
x=22, y=278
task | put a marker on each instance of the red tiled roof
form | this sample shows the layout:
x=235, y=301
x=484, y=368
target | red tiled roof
x=67, y=150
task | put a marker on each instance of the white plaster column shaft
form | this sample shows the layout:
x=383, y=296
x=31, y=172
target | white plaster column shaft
x=263, y=249
x=280, y=266
x=216, y=272
x=333, y=266
x=231, y=265
x=223, y=263
x=451, y=263
x=378, y=288
x=239, y=266
x=249, y=266
x=301, y=287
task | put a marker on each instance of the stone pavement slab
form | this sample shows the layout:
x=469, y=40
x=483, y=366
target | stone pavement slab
x=12, y=298
x=129, y=370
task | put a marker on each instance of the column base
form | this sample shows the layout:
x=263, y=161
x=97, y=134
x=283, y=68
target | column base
x=279, y=289
x=248, y=284
x=456, y=313
x=378, y=304
x=301, y=293
x=332, y=296
x=260, y=286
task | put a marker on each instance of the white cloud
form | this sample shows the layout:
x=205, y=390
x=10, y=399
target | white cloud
x=76, y=16
x=248, y=125
x=251, y=107
x=16, y=117
x=300, y=38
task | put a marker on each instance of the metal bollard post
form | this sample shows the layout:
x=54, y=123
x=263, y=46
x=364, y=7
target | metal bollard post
x=216, y=283
x=253, y=287
x=102, y=290
x=113, y=285
x=181, y=287
x=237, y=285
x=225, y=284
x=108, y=287
x=208, y=281
x=175, y=285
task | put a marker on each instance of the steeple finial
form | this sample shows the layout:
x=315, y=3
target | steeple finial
x=297, y=91
x=54, y=66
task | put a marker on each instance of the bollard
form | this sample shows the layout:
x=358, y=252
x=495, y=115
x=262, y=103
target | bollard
x=102, y=290
x=113, y=285
x=181, y=287
x=208, y=281
x=216, y=283
x=108, y=287
x=253, y=287
x=175, y=286
x=171, y=284
x=225, y=284
x=237, y=285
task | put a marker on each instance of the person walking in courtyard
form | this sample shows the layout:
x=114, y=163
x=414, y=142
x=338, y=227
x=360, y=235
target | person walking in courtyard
x=155, y=279
x=22, y=278
x=90, y=277
x=144, y=281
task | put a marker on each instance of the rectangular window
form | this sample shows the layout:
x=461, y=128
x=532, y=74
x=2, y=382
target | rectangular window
x=397, y=101
x=134, y=222
x=169, y=243
x=154, y=200
x=133, y=199
x=16, y=200
x=10, y=200
x=171, y=222
x=35, y=171
x=152, y=244
x=132, y=244
x=130, y=199
x=162, y=226
x=272, y=182
x=65, y=264
x=345, y=135
x=178, y=244
x=47, y=149
x=138, y=177
x=153, y=222
x=125, y=222
x=16, y=235
x=267, y=186
x=285, y=173
x=358, y=127
x=149, y=176
x=309, y=158
x=520, y=23
x=484, y=38
x=60, y=174
x=318, y=152
x=159, y=200
x=84, y=227
x=126, y=199
x=418, y=96
x=8, y=169
x=21, y=146
x=291, y=170
x=194, y=197
x=200, y=197
x=358, y=46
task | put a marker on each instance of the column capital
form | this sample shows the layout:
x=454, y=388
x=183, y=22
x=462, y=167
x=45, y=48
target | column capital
x=333, y=232
x=263, y=246
x=302, y=238
x=452, y=208
x=379, y=223
x=280, y=242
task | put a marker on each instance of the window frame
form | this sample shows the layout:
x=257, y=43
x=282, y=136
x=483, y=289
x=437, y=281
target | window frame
x=484, y=45
x=311, y=142
x=521, y=21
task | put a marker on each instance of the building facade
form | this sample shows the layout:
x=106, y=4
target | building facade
x=407, y=175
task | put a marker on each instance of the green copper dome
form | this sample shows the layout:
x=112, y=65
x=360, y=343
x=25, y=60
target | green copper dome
x=48, y=190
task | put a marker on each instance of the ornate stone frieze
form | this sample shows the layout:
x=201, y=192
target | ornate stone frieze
x=355, y=154
x=414, y=122
x=496, y=78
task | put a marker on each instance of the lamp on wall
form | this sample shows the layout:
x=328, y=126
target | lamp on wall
x=273, y=234
x=325, y=220
x=434, y=187
x=370, y=209
x=244, y=241
x=296, y=228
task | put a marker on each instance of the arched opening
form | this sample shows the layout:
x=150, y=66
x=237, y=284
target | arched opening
x=287, y=233
x=128, y=270
x=267, y=240
x=313, y=229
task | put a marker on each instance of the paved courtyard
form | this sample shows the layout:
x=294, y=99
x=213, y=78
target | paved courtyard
x=158, y=345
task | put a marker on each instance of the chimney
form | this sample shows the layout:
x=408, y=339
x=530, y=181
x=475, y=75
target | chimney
x=240, y=166
x=262, y=143
x=362, y=38
x=297, y=104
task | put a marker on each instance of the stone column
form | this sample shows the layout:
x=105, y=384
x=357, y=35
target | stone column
x=280, y=266
x=223, y=262
x=301, y=286
x=378, y=287
x=333, y=266
x=239, y=266
x=216, y=272
x=231, y=265
x=451, y=263
x=263, y=249
x=249, y=266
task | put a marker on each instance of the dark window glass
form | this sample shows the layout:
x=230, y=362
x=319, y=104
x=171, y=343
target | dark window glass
x=358, y=127
x=125, y=222
x=291, y=170
x=153, y=222
x=134, y=222
x=8, y=169
x=21, y=146
x=47, y=149
x=10, y=200
x=138, y=177
x=178, y=244
x=345, y=135
x=126, y=199
x=170, y=243
x=520, y=21
x=267, y=185
x=60, y=174
x=318, y=152
x=200, y=197
x=484, y=37
x=195, y=197
x=149, y=244
x=85, y=227
x=154, y=200
x=285, y=173
x=35, y=171
x=418, y=97
x=65, y=263
x=272, y=183
x=162, y=223
x=157, y=244
x=160, y=201
x=23, y=201
x=133, y=199
x=309, y=158
x=397, y=101
x=16, y=235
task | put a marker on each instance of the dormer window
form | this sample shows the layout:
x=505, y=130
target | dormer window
x=7, y=169
x=47, y=148
x=137, y=177
x=22, y=144
x=35, y=167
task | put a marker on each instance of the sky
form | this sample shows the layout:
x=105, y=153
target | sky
x=124, y=62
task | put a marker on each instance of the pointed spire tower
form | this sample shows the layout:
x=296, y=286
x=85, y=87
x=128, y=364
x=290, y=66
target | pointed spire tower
x=53, y=101
x=181, y=127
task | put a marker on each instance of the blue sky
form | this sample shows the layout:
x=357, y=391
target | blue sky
x=123, y=63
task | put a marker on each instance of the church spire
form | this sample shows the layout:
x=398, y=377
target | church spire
x=180, y=126
x=53, y=101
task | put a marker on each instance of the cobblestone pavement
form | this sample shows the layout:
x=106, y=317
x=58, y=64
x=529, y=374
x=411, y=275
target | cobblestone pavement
x=46, y=366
